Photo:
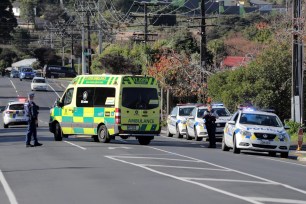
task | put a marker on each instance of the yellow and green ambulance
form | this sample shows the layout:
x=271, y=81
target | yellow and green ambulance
x=105, y=106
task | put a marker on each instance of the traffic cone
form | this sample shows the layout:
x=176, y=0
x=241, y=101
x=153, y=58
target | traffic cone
x=300, y=139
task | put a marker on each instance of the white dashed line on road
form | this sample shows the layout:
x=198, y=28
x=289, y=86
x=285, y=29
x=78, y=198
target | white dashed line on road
x=83, y=148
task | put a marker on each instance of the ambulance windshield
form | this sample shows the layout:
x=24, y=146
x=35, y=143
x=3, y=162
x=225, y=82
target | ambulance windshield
x=140, y=98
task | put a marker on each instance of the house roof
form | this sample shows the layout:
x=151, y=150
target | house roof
x=235, y=61
x=260, y=2
x=24, y=62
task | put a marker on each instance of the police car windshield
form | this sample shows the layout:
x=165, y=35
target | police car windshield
x=39, y=81
x=185, y=111
x=16, y=107
x=140, y=98
x=221, y=111
x=259, y=119
x=201, y=112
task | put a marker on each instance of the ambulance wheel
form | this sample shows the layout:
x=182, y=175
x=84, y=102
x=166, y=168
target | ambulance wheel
x=187, y=135
x=272, y=154
x=144, y=140
x=103, y=134
x=235, y=149
x=196, y=137
x=5, y=126
x=124, y=137
x=178, y=134
x=58, y=134
x=168, y=132
x=284, y=154
x=224, y=147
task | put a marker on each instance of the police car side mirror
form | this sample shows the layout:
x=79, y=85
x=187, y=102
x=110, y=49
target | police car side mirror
x=286, y=127
x=59, y=103
x=231, y=122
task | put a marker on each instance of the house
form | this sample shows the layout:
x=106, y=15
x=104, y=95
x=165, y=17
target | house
x=263, y=6
x=232, y=62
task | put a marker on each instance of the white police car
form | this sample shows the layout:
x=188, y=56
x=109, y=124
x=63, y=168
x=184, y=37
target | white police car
x=176, y=121
x=256, y=130
x=196, y=124
x=14, y=114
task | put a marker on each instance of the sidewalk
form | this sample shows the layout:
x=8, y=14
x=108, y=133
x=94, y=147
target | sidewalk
x=300, y=155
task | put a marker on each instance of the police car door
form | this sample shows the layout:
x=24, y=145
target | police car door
x=230, y=129
x=172, y=121
x=67, y=111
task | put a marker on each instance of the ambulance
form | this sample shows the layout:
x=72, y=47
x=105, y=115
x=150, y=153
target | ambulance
x=106, y=106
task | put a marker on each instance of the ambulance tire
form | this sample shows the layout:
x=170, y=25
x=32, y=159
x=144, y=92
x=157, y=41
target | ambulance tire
x=144, y=140
x=5, y=126
x=58, y=134
x=235, y=149
x=103, y=134
x=178, y=134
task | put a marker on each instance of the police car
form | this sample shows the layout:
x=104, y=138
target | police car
x=14, y=114
x=256, y=130
x=176, y=121
x=196, y=124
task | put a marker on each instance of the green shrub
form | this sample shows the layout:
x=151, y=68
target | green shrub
x=294, y=126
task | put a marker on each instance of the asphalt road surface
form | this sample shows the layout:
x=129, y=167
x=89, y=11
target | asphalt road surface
x=168, y=171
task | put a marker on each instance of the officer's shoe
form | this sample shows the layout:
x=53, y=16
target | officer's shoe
x=38, y=144
x=29, y=145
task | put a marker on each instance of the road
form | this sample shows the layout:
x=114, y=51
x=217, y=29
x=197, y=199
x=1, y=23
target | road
x=169, y=170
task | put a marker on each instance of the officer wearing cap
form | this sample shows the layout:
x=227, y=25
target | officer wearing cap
x=31, y=111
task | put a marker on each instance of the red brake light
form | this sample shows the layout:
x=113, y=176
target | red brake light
x=23, y=99
x=117, y=115
x=9, y=111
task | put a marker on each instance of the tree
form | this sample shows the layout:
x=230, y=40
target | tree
x=265, y=82
x=7, y=57
x=7, y=20
x=27, y=10
x=46, y=56
x=21, y=39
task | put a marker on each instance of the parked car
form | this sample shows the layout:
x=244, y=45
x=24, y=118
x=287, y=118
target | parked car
x=14, y=114
x=196, y=125
x=39, y=83
x=14, y=73
x=176, y=121
x=258, y=131
x=26, y=73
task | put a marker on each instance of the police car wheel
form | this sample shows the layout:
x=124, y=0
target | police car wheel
x=196, y=138
x=187, y=135
x=144, y=140
x=284, y=154
x=272, y=154
x=178, y=134
x=5, y=126
x=235, y=149
x=168, y=133
x=224, y=147
x=103, y=134
x=58, y=133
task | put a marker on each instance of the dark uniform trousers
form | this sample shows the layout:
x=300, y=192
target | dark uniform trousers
x=31, y=131
x=211, y=130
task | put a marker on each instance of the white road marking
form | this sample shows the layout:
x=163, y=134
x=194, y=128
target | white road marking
x=229, y=180
x=183, y=167
x=8, y=189
x=237, y=171
x=189, y=181
x=54, y=90
x=278, y=200
x=119, y=148
x=283, y=161
x=14, y=87
x=41, y=121
x=156, y=158
x=83, y=148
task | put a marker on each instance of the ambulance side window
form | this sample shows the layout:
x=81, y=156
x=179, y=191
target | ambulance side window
x=84, y=97
x=101, y=94
x=68, y=97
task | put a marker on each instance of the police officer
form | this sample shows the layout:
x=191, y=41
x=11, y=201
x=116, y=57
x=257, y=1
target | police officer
x=31, y=111
x=210, y=118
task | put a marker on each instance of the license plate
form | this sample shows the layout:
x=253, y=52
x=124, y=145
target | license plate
x=132, y=127
x=265, y=142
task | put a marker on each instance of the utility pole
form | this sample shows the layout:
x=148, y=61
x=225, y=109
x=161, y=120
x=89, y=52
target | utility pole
x=297, y=106
x=89, y=43
x=203, y=49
